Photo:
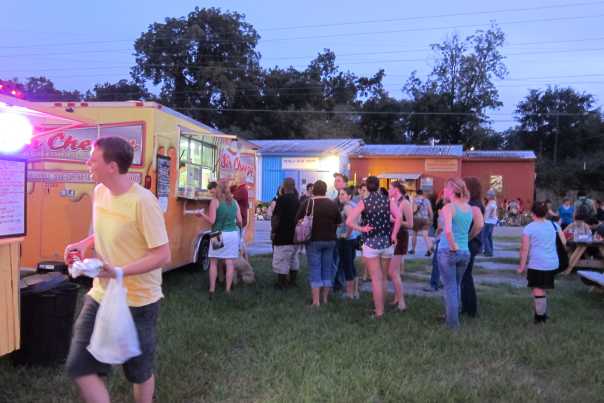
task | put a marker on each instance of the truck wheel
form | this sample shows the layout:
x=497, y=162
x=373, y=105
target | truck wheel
x=203, y=261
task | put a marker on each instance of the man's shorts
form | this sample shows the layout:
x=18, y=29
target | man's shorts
x=285, y=258
x=385, y=253
x=138, y=369
x=420, y=224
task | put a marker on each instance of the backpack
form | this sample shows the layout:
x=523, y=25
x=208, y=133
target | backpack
x=584, y=209
x=422, y=208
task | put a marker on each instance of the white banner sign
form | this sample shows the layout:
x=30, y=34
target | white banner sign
x=304, y=163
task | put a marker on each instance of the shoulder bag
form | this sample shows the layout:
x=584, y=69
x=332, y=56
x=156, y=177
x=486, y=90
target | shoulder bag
x=561, y=250
x=304, y=225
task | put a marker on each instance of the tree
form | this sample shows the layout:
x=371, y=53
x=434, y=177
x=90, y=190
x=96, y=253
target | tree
x=459, y=90
x=123, y=90
x=203, y=62
x=558, y=119
x=42, y=89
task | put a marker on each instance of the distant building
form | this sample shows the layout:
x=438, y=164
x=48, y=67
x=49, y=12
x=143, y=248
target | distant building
x=303, y=160
x=510, y=173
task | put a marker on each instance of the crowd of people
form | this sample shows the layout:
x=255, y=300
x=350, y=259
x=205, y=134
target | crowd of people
x=381, y=224
x=384, y=225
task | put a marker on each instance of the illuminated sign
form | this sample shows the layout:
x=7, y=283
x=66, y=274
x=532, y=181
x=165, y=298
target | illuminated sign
x=231, y=163
x=74, y=145
x=57, y=176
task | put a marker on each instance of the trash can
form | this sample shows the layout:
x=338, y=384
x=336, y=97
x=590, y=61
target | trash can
x=49, y=266
x=48, y=303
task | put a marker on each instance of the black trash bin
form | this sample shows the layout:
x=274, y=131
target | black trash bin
x=48, y=303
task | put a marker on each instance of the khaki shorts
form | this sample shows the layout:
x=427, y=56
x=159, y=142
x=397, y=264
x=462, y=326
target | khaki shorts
x=285, y=258
x=385, y=253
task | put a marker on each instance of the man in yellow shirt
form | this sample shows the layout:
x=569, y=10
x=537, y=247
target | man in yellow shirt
x=129, y=237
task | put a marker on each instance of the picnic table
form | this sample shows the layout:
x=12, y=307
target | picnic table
x=576, y=257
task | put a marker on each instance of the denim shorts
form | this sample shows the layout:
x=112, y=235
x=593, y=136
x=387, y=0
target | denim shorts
x=138, y=369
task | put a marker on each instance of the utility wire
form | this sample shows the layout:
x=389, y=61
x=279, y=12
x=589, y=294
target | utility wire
x=324, y=36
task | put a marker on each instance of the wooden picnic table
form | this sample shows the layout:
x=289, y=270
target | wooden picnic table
x=576, y=257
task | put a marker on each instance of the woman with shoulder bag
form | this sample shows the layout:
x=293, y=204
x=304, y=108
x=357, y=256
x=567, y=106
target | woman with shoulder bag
x=322, y=241
x=224, y=215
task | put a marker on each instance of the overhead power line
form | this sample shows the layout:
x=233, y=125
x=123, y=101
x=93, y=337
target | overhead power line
x=323, y=36
x=223, y=66
x=434, y=16
x=293, y=57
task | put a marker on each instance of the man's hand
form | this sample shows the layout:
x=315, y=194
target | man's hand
x=82, y=247
x=521, y=270
x=108, y=271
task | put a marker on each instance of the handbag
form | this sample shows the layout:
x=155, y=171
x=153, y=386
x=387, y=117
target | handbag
x=561, y=250
x=217, y=242
x=304, y=226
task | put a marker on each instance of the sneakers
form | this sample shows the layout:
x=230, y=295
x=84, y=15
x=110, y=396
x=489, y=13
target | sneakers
x=411, y=252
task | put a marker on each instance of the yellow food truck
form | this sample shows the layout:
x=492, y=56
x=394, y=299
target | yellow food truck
x=175, y=157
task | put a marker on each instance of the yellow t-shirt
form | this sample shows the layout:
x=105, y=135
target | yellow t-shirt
x=125, y=228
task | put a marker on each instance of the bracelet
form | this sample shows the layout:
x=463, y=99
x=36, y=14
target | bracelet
x=119, y=273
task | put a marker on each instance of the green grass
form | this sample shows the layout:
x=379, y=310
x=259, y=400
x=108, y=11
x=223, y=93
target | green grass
x=260, y=345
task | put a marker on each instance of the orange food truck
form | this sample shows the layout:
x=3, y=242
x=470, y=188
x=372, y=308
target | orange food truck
x=175, y=157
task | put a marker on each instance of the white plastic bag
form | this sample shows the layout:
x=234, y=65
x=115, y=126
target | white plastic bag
x=114, y=338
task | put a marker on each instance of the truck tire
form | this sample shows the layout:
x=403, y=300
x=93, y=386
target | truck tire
x=203, y=261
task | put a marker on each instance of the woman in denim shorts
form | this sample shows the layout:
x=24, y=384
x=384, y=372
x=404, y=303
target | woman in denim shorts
x=379, y=236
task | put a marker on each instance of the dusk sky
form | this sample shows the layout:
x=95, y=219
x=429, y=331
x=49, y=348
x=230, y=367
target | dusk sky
x=79, y=43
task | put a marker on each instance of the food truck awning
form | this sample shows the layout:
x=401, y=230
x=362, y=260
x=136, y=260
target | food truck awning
x=400, y=176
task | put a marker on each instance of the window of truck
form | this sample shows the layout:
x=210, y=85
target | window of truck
x=197, y=167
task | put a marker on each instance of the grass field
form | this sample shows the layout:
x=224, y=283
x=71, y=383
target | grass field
x=262, y=345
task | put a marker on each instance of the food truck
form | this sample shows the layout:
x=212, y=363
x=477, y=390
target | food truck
x=175, y=157
x=17, y=124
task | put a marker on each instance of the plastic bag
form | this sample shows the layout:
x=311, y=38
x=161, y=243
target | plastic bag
x=114, y=338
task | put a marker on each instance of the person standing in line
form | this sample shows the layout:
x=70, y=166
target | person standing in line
x=130, y=237
x=307, y=194
x=363, y=193
x=286, y=263
x=435, y=283
x=224, y=216
x=379, y=236
x=453, y=250
x=469, y=304
x=566, y=212
x=490, y=222
x=320, y=248
x=339, y=183
x=347, y=245
x=240, y=194
x=422, y=218
x=397, y=263
x=538, y=253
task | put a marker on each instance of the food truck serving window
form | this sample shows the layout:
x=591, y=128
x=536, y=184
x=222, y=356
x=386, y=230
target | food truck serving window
x=197, y=167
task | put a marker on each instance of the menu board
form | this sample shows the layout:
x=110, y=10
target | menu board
x=163, y=181
x=13, y=174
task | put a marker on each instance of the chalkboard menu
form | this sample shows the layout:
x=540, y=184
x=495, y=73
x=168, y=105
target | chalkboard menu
x=163, y=181
x=13, y=185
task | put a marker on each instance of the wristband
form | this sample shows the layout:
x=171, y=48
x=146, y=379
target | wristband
x=119, y=273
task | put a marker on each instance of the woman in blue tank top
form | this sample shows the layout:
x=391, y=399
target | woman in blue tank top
x=453, y=251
